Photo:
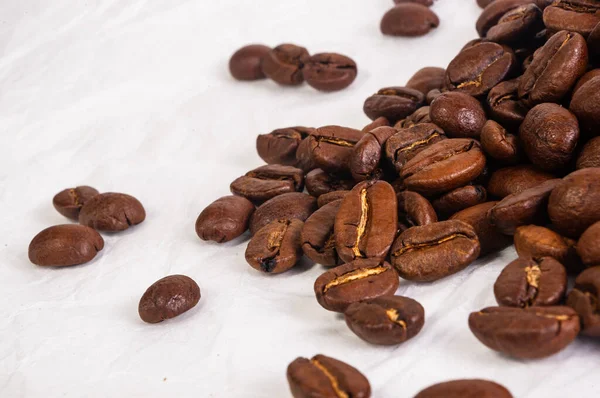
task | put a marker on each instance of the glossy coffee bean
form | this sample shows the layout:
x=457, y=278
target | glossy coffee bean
x=458, y=114
x=409, y=19
x=280, y=146
x=515, y=179
x=168, y=297
x=70, y=201
x=419, y=116
x=245, y=63
x=304, y=157
x=65, y=245
x=590, y=155
x=365, y=160
x=276, y=247
x=525, y=333
x=268, y=181
x=415, y=210
x=224, y=219
x=459, y=199
x=497, y=143
x=427, y=79
x=586, y=78
x=494, y=11
x=379, y=122
x=112, y=212
x=284, y=64
x=516, y=25
x=579, y=16
x=331, y=147
x=318, y=241
x=504, y=104
x=408, y=142
x=393, y=103
x=588, y=246
x=584, y=299
x=533, y=241
x=359, y=280
x=288, y=206
x=387, y=320
x=329, y=71
x=319, y=183
x=490, y=238
x=465, y=388
x=586, y=106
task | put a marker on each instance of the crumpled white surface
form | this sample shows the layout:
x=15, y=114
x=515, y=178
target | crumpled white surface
x=135, y=96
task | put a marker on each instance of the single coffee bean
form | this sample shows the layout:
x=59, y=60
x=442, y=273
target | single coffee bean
x=112, y=212
x=515, y=179
x=393, y=103
x=326, y=377
x=276, y=247
x=65, y=245
x=427, y=79
x=586, y=106
x=504, y=104
x=579, y=16
x=494, y=12
x=586, y=78
x=331, y=197
x=434, y=251
x=289, y=206
x=365, y=225
x=497, y=143
x=331, y=147
x=224, y=219
x=533, y=241
x=168, y=297
x=245, y=63
x=517, y=25
x=409, y=19
x=408, y=142
x=268, y=181
x=465, y=388
x=590, y=155
x=387, y=320
x=575, y=204
x=415, y=210
x=319, y=183
x=379, y=122
x=419, y=116
x=427, y=3
x=585, y=299
x=365, y=160
x=329, y=71
x=459, y=199
x=304, y=157
x=318, y=240
x=588, y=246
x=458, y=114
x=70, y=201
x=284, y=64
x=280, y=146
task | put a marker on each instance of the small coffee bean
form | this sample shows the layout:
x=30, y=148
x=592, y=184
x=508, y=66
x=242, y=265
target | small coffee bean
x=409, y=19
x=331, y=197
x=419, y=116
x=490, y=238
x=319, y=183
x=112, y=212
x=504, y=104
x=284, y=64
x=280, y=146
x=379, y=122
x=224, y=219
x=585, y=299
x=304, y=157
x=494, y=11
x=329, y=71
x=408, y=142
x=365, y=160
x=517, y=25
x=459, y=199
x=466, y=388
x=588, y=246
x=289, y=206
x=70, y=201
x=579, y=16
x=276, y=247
x=415, y=210
x=590, y=155
x=331, y=147
x=245, y=63
x=497, y=143
x=168, y=297
x=318, y=241
x=586, y=78
x=533, y=241
x=393, y=103
x=458, y=114
x=427, y=79
x=268, y=181
x=515, y=179
x=586, y=106
x=65, y=245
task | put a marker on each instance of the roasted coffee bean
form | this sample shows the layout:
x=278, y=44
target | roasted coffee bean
x=112, y=212
x=586, y=106
x=409, y=19
x=590, y=155
x=497, y=143
x=585, y=299
x=289, y=206
x=393, y=103
x=434, y=251
x=459, y=199
x=64, y=245
x=458, y=114
x=426, y=79
x=525, y=333
x=224, y=219
x=575, y=204
x=444, y=166
x=365, y=225
x=593, y=43
x=268, y=181
x=588, y=246
x=331, y=197
x=326, y=377
x=515, y=179
x=280, y=146
x=331, y=147
x=415, y=210
x=359, y=280
x=365, y=160
x=494, y=11
x=504, y=104
x=245, y=63
x=319, y=183
x=579, y=16
x=517, y=25
x=168, y=297
x=586, y=78
x=427, y=3
x=533, y=241
x=466, y=388
x=432, y=95
x=304, y=157
x=70, y=201
x=419, y=116
x=318, y=241
x=329, y=71
x=379, y=122
x=284, y=64
x=407, y=142
x=387, y=320
x=276, y=247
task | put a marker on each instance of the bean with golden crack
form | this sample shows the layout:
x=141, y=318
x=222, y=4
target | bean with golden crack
x=70, y=201
x=408, y=142
x=276, y=247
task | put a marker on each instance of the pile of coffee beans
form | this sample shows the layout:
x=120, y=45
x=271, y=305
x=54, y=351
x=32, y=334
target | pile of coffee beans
x=409, y=18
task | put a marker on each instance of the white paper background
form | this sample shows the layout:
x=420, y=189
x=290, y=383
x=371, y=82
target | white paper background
x=134, y=96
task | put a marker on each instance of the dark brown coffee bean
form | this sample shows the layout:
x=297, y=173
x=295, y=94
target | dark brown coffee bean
x=532, y=241
x=434, y=251
x=331, y=147
x=326, y=377
x=459, y=199
x=415, y=210
x=245, y=63
x=318, y=241
x=268, y=181
x=588, y=246
x=329, y=71
x=379, y=122
x=494, y=11
x=515, y=179
x=458, y=114
x=288, y=206
x=284, y=64
x=579, y=16
x=168, y=297
x=393, y=103
x=224, y=219
x=586, y=106
x=517, y=24
x=427, y=3
x=65, y=245
x=590, y=155
x=365, y=225
x=387, y=320
x=319, y=183
x=427, y=79
x=433, y=94
x=409, y=19
x=276, y=247
x=585, y=299
x=407, y=142
x=280, y=146
x=421, y=115
x=586, y=78
x=112, y=212
x=70, y=201
x=331, y=197
x=593, y=43
x=499, y=144
x=504, y=104
x=359, y=280
x=304, y=157
x=466, y=388
x=365, y=160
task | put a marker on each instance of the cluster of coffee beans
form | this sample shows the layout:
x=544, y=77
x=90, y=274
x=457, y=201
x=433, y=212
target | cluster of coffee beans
x=291, y=65
x=409, y=18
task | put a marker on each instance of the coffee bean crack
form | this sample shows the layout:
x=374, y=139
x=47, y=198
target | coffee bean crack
x=334, y=383
x=268, y=264
x=355, y=275
x=362, y=224
x=393, y=316
x=424, y=245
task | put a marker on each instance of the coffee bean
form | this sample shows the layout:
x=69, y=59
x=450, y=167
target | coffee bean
x=112, y=212
x=459, y=199
x=319, y=183
x=331, y=197
x=504, y=104
x=497, y=143
x=284, y=64
x=515, y=179
x=280, y=146
x=65, y=245
x=70, y=201
x=329, y=71
x=365, y=225
x=379, y=122
x=586, y=78
x=434, y=251
x=289, y=206
x=304, y=157
x=433, y=94
x=427, y=79
x=393, y=103
x=579, y=16
x=533, y=241
x=458, y=114
x=427, y=3
x=517, y=25
x=365, y=160
x=331, y=147
x=387, y=320
x=168, y=297
x=525, y=333
x=494, y=11
x=588, y=246
x=465, y=388
x=318, y=241
x=224, y=219
x=415, y=210
x=590, y=155
x=359, y=280
x=245, y=63
x=408, y=142
x=409, y=19
x=593, y=43
x=586, y=106
x=584, y=299
x=276, y=247
x=326, y=377
x=268, y=181
x=419, y=116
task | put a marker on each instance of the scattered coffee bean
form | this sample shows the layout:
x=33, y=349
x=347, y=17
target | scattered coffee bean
x=245, y=63
x=585, y=299
x=70, y=201
x=493, y=12
x=268, y=181
x=168, y=297
x=427, y=79
x=515, y=179
x=586, y=106
x=408, y=142
x=331, y=197
x=289, y=206
x=533, y=241
x=504, y=104
x=65, y=245
x=318, y=241
x=579, y=16
x=365, y=160
x=588, y=246
x=393, y=103
x=331, y=147
x=497, y=143
x=517, y=25
x=409, y=19
x=280, y=146
x=224, y=219
x=466, y=388
x=276, y=247
x=415, y=210
x=319, y=183
x=112, y=212
x=283, y=64
x=458, y=114
x=590, y=155
x=329, y=71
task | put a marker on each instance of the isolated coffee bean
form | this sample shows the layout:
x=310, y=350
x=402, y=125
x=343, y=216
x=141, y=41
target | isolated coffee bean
x=319, y=183
x=533, y=241
x=579, y=16
x=415, y=210
x=326, y=377
x=168, y=297
x=407, y=142
x=525, y=333
x=459, y=199
x=517, y=25
x=280, y=146
x=458, y=114
x=588, y=246
x=432, y=252
x=245, y=63
x=584, y=299
x=387, y=320
x=304, y=157
x=515, y=179
x=70, y=201
x=65, y=245
x=276, y=247
x=365, y=160
x=112, y=212
x=497, y=143
x=393, y=103
x=331, y=147
x=379, y=122
x=331, y=197
x=288, y=206
x=268, y=181
x=494, y=11
x=504, y=104
x=590, y=155
x=427, y=79
x=284, y=64
x=409, y=19
x=465, y=388
x=329, y=71
x=419, y=116
x=359, y=280
x=586, y=106
x=490, y=238
x=224, y=219
x=318, y=241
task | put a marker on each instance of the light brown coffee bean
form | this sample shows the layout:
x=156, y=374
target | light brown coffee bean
x=533, y=241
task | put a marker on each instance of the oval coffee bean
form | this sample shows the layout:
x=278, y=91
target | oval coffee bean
x=268, y=181
x=224, y=219
x=584, y=299
x=379, y=122
x=427, y=79
x=331, y=147
x=359, y=280
x=288, y=206
x=70, y=201
x=518, y=24
x=532, y=241
x=284, y=64
x=329, y=71
x=280, y=146
x=407, y=142
x=387, y=320
x=525, y=333
x=465, y=388
x=393, y=103
x=65, y=245
x=331, y=197
x=245, y=63
x=504, y=104
x=432, y=252
x=497, y=143
x=458, y=114
x=590, y=155
x=419, y=116
x=493, y=12
x=326, y=377
x=415, y=210
x=588, y=246
x=168, y=297
x=365, y=160
x=112, y=212
x=515, y=179
x=409, y=19
x=459, y=199
x=586, y=106
x=318, y=241
x=276, y=247
x=579, y=16
x=319, y=183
